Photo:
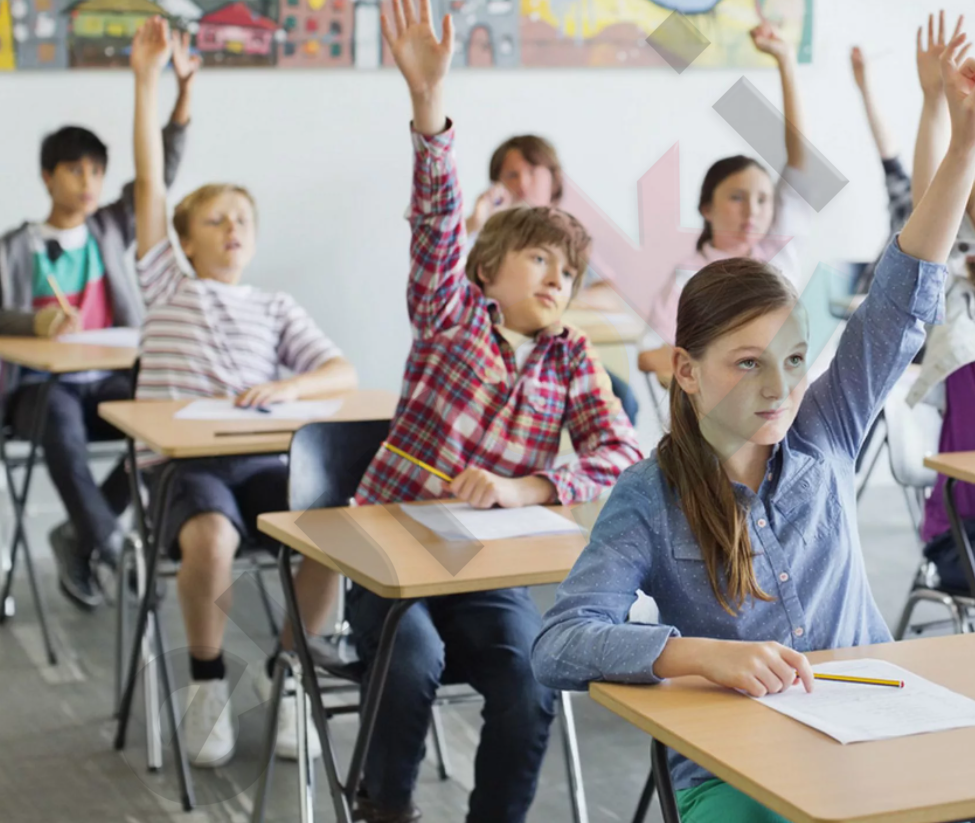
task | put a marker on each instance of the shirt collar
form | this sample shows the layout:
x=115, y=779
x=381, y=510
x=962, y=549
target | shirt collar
x=556, y=330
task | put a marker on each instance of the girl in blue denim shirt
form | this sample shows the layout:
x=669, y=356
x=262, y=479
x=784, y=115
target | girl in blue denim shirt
x=742, y=524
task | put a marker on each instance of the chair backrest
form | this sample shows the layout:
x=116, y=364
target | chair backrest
x=328, y=459
x=912, y=435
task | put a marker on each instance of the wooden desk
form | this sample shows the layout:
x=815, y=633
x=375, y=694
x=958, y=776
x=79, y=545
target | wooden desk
x=606, y=329
x=348, y=540
x=801, y=773
x=958, y=465
x=52, y=356
x=153, y=423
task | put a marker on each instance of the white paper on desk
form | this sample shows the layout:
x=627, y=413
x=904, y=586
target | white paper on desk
x=459, y=521
x=120, y=337
x=224, y=409
x=854, y=712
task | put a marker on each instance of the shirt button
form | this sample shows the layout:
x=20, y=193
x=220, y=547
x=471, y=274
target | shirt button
x=761, y=523
x=784, y=576
x=799, y=632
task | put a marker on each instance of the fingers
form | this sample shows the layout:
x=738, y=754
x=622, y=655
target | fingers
x=958, y=25
x=245, y=399
x=448, y=31
x=920, y=42
x=408, y=11
x=930, y=30
x=941, y=27
x=425, y=15
x=475, y=487
x=800, y=664
x=398, y=17
x=386, y=29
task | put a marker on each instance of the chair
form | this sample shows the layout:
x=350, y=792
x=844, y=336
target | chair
x=912, y=435
x=327, y=462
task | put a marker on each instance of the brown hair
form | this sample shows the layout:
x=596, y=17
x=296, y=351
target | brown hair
x=717, y=174
x=184, y=209
x=522, y=228
x=721, y=298
x=538, y=152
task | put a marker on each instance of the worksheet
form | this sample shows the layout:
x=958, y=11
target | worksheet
x=854, y=712
x=223, y=408
x=459, y=521
x=120, y=337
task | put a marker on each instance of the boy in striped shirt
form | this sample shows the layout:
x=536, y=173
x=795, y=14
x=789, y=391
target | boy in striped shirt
x=492, y=378
x=209, y=336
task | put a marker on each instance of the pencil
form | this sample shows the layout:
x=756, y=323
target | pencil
x=869, y=681
x=62, y=300
x=419, y=463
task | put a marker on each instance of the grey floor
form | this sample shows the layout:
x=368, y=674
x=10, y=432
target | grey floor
x=56, y=728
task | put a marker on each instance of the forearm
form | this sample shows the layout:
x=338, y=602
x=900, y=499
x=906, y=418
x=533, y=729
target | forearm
x=181, y=111
x=682, y=656
x=150, y=184
x=336, y=375
x=429, y=116
x=792, y=108
x=536, y=491
x=886, y=145
x=932, y=139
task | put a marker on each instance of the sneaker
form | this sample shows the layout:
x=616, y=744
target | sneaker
x=286, y=746
x=209, y=725
x=74, y=571
x=109, y=552
x=369, y=812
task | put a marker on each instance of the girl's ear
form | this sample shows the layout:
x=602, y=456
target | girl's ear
x=686, y=372
x=706, y=210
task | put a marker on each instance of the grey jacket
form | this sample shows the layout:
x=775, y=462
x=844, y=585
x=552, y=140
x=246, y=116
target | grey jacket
x=112, y=226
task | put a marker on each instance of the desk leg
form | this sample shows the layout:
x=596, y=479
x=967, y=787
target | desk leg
x=19, y=500
x=961, y=541
x=665, y=789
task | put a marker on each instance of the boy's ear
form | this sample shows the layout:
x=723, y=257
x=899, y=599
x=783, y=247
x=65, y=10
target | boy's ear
x=187, y=247
x=47, y=177
x=685, y=371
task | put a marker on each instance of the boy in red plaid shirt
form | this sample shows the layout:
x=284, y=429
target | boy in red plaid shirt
x=491, y=379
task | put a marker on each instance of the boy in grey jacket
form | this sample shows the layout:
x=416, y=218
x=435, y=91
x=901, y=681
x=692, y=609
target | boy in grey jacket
x=85, y=249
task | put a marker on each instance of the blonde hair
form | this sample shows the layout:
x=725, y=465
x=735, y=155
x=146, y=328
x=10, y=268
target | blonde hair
x=522, y=228
x=185, y=208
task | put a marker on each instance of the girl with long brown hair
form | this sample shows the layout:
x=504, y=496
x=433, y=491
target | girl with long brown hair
x=742, y=524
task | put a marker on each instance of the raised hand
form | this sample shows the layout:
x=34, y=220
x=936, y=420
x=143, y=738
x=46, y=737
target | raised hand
x=495, y=199
x=151, y=47
x=929, y=57
x=958, y=77
x=768, y=40
x=422, y=59
x=185, y=64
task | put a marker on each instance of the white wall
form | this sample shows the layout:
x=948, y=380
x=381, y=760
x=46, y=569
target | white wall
x=328, y=155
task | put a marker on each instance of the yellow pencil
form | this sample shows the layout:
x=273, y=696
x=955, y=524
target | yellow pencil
x=869, y=681
x=62, y=300
x=419, y=463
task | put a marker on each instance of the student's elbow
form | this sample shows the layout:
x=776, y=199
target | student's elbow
x=550, y=663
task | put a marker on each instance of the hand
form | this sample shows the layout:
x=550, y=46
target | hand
x=756, y=668
x=859, y=66
x=928, y=59
x=959, y=81
x=769, y=40
x=422, y=59
x=52, y=322
x=277, y=391
x=151, y=47
x=482, y=489
x=185, y=64
x=495, y=199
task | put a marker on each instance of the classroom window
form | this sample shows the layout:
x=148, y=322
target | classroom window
x=291, y=23
x=336, y=49
x=311, y=24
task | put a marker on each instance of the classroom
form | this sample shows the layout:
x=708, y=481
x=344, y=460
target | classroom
x=653, y=501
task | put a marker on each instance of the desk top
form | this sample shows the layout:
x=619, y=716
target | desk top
x=960, y=465
x=606, y=328
x=153, y=423
x=380, y=548
x=801, y=773
x=64, y=358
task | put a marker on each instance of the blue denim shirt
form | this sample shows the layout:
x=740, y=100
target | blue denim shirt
x=802, y=524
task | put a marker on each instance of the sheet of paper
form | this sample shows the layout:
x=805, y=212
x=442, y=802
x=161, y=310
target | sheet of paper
x=121, y=337
x=224, y=409
x=853, y=712
x=458, y=521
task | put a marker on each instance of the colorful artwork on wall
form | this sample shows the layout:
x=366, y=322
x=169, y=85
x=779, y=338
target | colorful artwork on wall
x=85, y=34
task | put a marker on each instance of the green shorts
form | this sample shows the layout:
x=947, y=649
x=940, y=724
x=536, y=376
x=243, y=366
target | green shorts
x=716, y=802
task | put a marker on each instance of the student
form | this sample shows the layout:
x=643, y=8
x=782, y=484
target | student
x=84, y=247
x=742, y=525
x=741, y=208
x=209, y=336
x=525, y=170
x=491, y=379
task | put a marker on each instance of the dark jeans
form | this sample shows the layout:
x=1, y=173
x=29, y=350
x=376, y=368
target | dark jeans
x=623, y=391
x=72, y=423
x=483, y=639
x=943, y=552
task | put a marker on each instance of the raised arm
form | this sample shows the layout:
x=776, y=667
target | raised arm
x=151, y=49
x=769, y=40
x=886, y=144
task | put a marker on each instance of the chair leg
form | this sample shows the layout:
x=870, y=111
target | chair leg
x=643, y=804
x=440, y=743
x=122, y=605
x=573, y=763
x=266, y=601
x=905, y=620
x=306, y=799
x=281, y=668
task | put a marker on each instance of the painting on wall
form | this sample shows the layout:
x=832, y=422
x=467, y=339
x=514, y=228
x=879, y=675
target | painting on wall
x=86, y=34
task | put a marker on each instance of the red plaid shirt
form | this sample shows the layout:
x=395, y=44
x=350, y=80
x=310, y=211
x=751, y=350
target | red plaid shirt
x=464, y=402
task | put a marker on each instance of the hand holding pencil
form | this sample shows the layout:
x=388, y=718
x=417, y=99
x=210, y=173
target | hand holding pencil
x=52, y=321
